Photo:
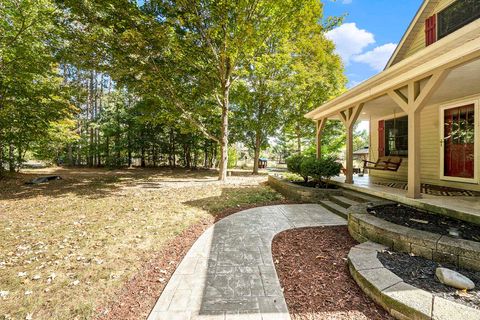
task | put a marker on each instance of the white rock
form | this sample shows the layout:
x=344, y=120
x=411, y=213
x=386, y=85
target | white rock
x=454, y=279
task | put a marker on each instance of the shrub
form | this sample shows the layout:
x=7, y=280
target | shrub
x=294, y=163
x=309, y=166
x=330, y=168
x=320, y=169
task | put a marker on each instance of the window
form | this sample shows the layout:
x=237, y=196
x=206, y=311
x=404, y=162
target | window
x=457, y=15
x=396, y=136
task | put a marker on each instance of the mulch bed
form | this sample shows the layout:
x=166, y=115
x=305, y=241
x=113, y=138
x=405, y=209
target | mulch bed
x=138, y=296
x=312, y=266
x=403, y=215
x=314, y=184
x=420, y=273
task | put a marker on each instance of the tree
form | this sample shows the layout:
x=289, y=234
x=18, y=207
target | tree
x=317, y=75
x=190, y=52
x=32, y=95
x=257, y=100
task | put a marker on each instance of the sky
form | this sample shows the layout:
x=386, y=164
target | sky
x=369, y=34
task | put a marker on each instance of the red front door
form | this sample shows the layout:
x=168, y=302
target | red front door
x=458, y=139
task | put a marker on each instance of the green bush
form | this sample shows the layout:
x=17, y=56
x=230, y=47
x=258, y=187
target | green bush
x=294, y=163
x=319, y=169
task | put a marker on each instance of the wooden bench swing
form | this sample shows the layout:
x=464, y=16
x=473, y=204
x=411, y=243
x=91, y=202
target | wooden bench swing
x=385, y=163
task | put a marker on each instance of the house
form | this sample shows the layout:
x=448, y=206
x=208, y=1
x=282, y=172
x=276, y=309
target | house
x=424, y=107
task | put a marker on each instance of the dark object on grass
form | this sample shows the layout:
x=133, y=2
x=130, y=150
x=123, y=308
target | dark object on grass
x=43, y=179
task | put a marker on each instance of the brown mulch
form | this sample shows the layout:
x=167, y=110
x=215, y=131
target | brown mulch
x=139, y=295
x=312, y=266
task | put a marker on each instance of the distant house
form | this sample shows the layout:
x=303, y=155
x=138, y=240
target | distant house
x=424, y=107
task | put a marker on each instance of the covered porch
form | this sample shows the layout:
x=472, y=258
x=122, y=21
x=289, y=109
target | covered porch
x=466, y=206
x=428, y=94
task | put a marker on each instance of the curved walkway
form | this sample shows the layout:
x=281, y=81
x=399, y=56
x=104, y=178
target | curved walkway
x=229, y=272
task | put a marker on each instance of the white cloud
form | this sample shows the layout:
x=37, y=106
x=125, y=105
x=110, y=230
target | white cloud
x=376, y=58
x=350, y=40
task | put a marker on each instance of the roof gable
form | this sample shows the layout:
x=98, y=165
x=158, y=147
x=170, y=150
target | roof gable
x=413, y=31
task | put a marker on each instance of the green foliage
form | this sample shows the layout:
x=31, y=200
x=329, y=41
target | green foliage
x=322, y=169
x=309, y=166
x=109, y=82
x=294, y=165
x=32, y=95
x=232, y=157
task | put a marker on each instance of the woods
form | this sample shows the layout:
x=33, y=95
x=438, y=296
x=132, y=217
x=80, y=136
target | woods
x=122, y=83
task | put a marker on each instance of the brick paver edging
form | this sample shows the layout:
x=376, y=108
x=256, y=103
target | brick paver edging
x=229, y=272
x=400, y=299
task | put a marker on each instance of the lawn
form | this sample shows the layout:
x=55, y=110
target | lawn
x=70, y=245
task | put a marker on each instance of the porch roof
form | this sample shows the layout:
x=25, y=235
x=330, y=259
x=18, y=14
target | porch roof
x=455, y=49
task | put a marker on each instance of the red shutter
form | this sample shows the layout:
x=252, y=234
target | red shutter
x=381, y=138
x=431, y=30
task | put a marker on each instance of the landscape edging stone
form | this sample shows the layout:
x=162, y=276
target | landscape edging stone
x=400, y=299
x=444, y=249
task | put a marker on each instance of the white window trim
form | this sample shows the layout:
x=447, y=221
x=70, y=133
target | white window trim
x=451, y=105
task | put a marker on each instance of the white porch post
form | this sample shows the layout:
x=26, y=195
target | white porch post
x=349, y=117
x=320, y=125
x=413, y=104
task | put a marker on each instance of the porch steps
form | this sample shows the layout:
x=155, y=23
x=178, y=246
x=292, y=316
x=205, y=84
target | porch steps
x=335, y=208
x=360, y=197
x=340, y=204
x=344, y=201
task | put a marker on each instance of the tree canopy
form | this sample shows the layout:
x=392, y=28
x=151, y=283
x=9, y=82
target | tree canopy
x=160, y=82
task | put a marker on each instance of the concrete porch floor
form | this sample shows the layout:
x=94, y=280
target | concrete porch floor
x=463, y=207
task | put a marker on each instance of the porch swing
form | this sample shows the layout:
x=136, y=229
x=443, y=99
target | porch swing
x=385, y=163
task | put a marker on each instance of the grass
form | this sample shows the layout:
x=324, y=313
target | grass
x=68, y=245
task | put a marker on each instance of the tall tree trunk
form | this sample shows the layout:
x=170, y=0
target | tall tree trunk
x=171, y=157
x=129, y=148
x=195, y=157
x=107, y=151
x=188, y=156
x=20, y=156
x=222, y=175
x=205, y=150
x=70, y=155
x=2, y=160
x=256, y=157
x=11, y=158
x=299, y=139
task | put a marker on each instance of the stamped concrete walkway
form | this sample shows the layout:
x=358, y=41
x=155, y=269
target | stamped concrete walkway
x=229, y=272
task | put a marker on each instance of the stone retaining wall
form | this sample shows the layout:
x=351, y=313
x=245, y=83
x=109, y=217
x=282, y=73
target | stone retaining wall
x=401, y=300
x=462, y=253
x=299, y=193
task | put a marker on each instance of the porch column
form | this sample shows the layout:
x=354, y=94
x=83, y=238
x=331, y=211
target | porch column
x=349, y=117
x=320, y=125
x=413, y=104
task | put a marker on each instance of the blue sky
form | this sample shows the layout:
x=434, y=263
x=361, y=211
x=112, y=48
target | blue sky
x=369, y=34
